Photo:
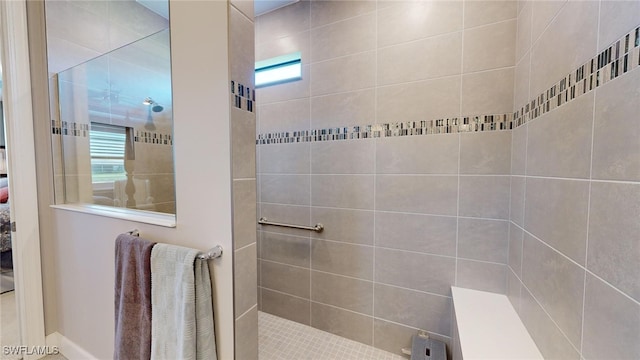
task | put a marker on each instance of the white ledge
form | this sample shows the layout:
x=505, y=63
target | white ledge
x=142, y=216
x=490, y=328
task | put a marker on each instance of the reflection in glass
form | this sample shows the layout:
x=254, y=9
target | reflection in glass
x=115, y=128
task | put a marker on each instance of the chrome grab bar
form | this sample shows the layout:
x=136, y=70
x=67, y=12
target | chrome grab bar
x=317, y=227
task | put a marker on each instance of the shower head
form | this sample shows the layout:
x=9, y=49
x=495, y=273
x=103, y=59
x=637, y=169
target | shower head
x=155, y=107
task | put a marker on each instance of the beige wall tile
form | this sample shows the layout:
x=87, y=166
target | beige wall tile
x=556, y=212
x=342, y=38
x=572, y=32
x=345, y=225
x=487, y=153
x=242, y=57
x=513, y=290
x=548, y=338
x=489, y=47
x=285, y=306
x=614, y=249
x=519, y=150
x=485, y=240
x=342, y=259
x=435, y=195
x=246, y=332
x=414, y=232
x=523, y=39
x=245, y=279
x=413, y=308
x=402, y=21
x=343, y=157
x=343, y=292
x=557, y=283
x=605, y=308
x=521, y=94
x=420, y=60
x=344, y=109
x=559, y=142
x=342, y=191
x=516, y=236
x=286, y=249
x=395, y=267
x=243, y=144
x=430, y=99
x=295, y=42
x=244, y=213
x=484, y=196
x=283, y=116
x=343, y=323
x=285, y=158
x=288, y=20
x=285, y=278
x=543, y=12
x=482, y=276
x=326, y=12
x=433, y=154
x=617, y=18
x=285, y=189
x=616, y=148
x=516, y=211
x=349, y=73
x=489, y=92
x=245, y=7
x=478, y=13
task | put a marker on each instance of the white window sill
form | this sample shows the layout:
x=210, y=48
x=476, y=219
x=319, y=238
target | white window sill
x=142, y=216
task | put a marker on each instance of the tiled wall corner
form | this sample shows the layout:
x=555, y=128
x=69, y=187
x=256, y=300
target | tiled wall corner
x=244, y=194
x=574, y=178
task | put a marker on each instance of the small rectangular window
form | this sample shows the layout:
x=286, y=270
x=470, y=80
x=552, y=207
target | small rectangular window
x=279, y=70
x=107, y=144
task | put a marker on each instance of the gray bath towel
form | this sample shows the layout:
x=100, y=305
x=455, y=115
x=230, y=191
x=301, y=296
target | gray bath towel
x=182, y=322
x=133, y=298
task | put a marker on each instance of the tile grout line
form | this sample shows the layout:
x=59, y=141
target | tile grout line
x=582, y=267
x=551, y=318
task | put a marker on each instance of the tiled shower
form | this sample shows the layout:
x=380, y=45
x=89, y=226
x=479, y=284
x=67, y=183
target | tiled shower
x=491, y=145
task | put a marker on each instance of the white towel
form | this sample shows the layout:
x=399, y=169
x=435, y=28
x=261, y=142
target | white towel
x=181, y=305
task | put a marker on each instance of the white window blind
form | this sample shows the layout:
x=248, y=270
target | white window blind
x=107, y=152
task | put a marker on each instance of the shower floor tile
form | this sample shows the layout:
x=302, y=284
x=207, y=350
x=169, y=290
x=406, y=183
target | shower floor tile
x=281, y=339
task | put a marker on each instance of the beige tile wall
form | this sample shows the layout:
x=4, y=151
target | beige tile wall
x=575, y=192
x=405, y=218
x=244, y=195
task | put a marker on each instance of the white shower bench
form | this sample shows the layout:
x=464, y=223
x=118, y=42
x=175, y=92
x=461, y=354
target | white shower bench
x=488, y=327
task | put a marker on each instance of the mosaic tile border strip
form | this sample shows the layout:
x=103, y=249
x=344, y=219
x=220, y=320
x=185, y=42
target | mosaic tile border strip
x=619, y=58
x=150, y=137
x=409, y=128
x=68, y=128
x=243, y=97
